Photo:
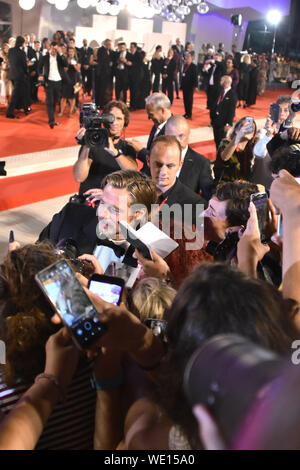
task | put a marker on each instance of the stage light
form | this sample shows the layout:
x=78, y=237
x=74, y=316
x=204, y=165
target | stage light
x=114, y=10
x=103, y=7
x=203, y=8
x=274, y=17
x=61, y=4
x=83, y=3
x=27, y=4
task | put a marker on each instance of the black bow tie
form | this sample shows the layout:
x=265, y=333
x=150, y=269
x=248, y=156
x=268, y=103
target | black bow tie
x=119, y=250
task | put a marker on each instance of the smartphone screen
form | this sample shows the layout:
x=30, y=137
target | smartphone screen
x=107, y=287
x=250, y=120
x=260, y=200
x=66, y=294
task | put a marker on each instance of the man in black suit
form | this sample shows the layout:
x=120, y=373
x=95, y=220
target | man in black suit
x=135, y=74
x=189, y=82
x=195, y=171
x=51, y=69
x=223, y=114
x=18, y=74
x=164, y=163
x=213, y=70
x=33, y=70
x=121, y=72
x=86, y=72
x=104, y=74
x=158, y=107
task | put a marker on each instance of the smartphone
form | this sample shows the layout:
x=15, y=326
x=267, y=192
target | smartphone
x=62, y=288
x=131, y=236
x=260, y=200
x=274, y=112
x=108, y=288
x=250, y=120
x=158, y=327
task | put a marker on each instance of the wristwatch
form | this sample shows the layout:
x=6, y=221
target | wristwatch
x=120, y=152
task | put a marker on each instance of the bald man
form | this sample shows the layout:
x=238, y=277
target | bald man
x=195, y=171
x=223, y=113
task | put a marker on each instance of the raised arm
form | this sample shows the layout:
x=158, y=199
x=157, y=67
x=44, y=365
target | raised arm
x=22, y=427
x=82, y=166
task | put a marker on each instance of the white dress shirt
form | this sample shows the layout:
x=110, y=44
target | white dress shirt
x=54, y=74
x=183, y=154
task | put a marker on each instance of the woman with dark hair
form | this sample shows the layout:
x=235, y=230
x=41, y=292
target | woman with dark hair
x=25, y=326
x=252, y=90
x=168, y=71
x=233, y=73
x=235, y=155
x=71, y=78
x=215, y=299
x=244, y=72
x=156, y=68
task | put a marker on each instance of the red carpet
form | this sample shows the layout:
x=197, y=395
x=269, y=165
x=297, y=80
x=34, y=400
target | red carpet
x=32, y=134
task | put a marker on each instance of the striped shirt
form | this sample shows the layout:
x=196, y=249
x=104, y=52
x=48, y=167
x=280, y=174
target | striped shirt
x=71, y=424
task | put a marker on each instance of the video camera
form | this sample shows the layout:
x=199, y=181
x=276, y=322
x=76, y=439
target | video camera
x=92, y=121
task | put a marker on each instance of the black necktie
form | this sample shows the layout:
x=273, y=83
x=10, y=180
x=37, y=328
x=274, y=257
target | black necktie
x=120, y=251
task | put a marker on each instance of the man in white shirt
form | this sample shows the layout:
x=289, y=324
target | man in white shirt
x=52, y=66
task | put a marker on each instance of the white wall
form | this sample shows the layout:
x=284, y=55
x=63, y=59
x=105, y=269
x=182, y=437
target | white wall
x=214, y=28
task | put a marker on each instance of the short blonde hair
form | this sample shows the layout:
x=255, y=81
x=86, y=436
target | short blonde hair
x=246, y=59
x=151, y=298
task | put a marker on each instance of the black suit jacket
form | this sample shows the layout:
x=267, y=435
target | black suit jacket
x=186, y=198
x=145, y=152
x=17, y=64
x=220, y=70
x=104, y=57
x=44, y=66
x=224, y=111
x=35, y=66
x=75, y=221
x=84, y=55
x=196, y=173
x=189, y=79
x=135, y=70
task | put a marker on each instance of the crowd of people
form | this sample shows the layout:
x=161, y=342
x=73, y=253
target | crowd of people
x=25, y=65
x=230, y=282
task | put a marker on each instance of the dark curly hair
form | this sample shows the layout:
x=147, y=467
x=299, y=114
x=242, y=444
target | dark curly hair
x=286, y=158
x=237, y=194
x=121, y=106
x=25, y=313
x=218, y=299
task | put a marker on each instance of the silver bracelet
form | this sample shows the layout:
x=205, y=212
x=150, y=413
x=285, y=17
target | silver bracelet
x=54, y=380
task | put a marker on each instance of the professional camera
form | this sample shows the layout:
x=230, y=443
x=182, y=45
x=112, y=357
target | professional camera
x=92, y=121
x=227, y=374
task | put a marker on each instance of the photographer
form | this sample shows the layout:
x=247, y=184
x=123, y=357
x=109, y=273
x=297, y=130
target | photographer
x=94, y=164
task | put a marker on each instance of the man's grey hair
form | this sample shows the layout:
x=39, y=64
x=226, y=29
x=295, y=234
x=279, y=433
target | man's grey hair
x=283, y=99
x=158, y=101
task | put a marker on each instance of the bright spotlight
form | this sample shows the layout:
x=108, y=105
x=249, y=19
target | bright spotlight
x=274, y=17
